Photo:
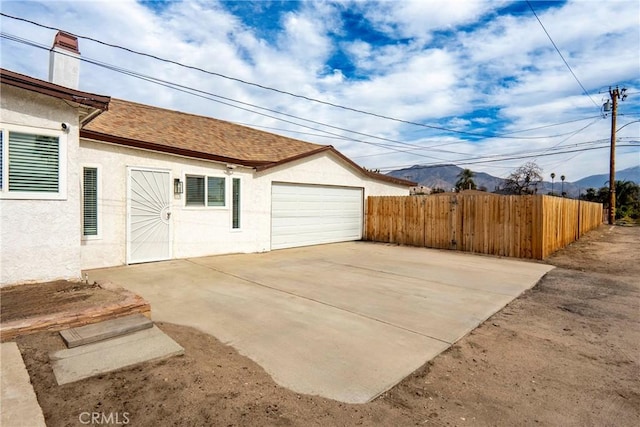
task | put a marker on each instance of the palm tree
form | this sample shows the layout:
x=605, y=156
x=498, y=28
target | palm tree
x=553, y=175
x=562, y=187
x=627, y=198
x=465, y=180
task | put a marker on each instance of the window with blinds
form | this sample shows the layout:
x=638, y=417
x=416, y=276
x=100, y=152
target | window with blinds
x=215, y=191
x=195, y=191
x=211, y=194
x=90, y=202
x=235, y=203
x=34, y=163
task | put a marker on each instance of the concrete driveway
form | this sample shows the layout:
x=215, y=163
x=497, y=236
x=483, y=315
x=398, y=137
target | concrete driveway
x=345, y=321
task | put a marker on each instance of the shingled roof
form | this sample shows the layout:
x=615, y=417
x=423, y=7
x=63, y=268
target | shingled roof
x=157, y=128
x=144, y=126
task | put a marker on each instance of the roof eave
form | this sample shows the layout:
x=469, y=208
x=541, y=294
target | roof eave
x=293, y=158
x=102, y=137
x=330, y=148
x=21, y=81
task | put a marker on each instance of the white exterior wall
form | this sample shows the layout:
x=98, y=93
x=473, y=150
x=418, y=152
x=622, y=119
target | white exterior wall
x=322, y=169
x=39, y=239
x=196, y=231
x=204, y=231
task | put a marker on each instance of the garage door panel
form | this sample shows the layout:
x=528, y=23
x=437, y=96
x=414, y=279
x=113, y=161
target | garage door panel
x=320, y=235
x=309, y=220
x=310, y=225
x=304, y=215
x=344, y=215
x=337, y=202
x=308, y=239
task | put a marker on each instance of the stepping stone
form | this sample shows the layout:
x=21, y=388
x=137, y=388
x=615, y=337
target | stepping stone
x=86, y=361
x=95, y=332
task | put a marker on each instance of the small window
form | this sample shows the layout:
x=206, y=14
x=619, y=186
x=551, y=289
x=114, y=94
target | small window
x=215, y=191
x=195, y=191
x=211, y=194
x=34, y=163
x=235, y=207
x=90, y=202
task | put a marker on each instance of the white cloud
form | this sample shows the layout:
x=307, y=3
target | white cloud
x=418, y=19
x=500, y=69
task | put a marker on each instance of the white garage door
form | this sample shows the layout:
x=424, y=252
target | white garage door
x=303, y=215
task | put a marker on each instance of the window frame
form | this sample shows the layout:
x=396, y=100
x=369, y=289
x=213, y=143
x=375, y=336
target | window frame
x=205, y=204
x=99, y=221
x=61, y=194
x=224, y=191
x=186, y=192
x=233, y=205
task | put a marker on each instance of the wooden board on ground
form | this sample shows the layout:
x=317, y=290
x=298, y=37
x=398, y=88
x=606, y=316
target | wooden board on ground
x=88, y=334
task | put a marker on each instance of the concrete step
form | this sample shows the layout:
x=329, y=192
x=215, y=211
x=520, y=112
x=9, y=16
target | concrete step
x=88, y=360
x=95, y=332
x=19, y=402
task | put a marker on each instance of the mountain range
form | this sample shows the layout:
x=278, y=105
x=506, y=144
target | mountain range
x=445, y=177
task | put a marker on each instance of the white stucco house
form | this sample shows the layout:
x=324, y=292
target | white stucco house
x=88, y=181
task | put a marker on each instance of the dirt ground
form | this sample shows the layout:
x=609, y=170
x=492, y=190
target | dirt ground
x=565, y=353
x=22, y=301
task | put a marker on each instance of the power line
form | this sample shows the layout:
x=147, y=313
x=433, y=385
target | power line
x=570, y=136
x=561, y=56
x=343, y=138
x=208, y=95
x=192, y=91
x=446, y=143
x=213, y=73
x=552, y=125
x=199, y=93
x=507, y=159
x=528, y=152
x=542, y=150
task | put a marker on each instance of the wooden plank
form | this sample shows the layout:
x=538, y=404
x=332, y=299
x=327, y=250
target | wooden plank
x=101, y=331
x=55, y=322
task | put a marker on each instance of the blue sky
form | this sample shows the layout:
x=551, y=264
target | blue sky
x=481, y=77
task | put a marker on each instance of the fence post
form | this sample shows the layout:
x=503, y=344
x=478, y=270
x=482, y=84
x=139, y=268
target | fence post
x=453, y=210
x=579, y=215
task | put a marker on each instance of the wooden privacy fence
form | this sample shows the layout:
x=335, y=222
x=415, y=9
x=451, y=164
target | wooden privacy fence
x=514, y=226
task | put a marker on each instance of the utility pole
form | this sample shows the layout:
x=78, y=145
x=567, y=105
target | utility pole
x=615, y=95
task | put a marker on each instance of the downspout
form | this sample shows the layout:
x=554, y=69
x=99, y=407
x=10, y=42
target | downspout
x=90, y=117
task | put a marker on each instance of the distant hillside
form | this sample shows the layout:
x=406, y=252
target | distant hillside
x=445, y=177
x=597, y=181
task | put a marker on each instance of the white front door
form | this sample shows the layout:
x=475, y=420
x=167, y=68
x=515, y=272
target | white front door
x=149, y=216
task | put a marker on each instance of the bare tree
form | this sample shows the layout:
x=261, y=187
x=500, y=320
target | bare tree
x=525, y=179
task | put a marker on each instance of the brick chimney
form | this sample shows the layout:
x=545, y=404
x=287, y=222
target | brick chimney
x=64, y=61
